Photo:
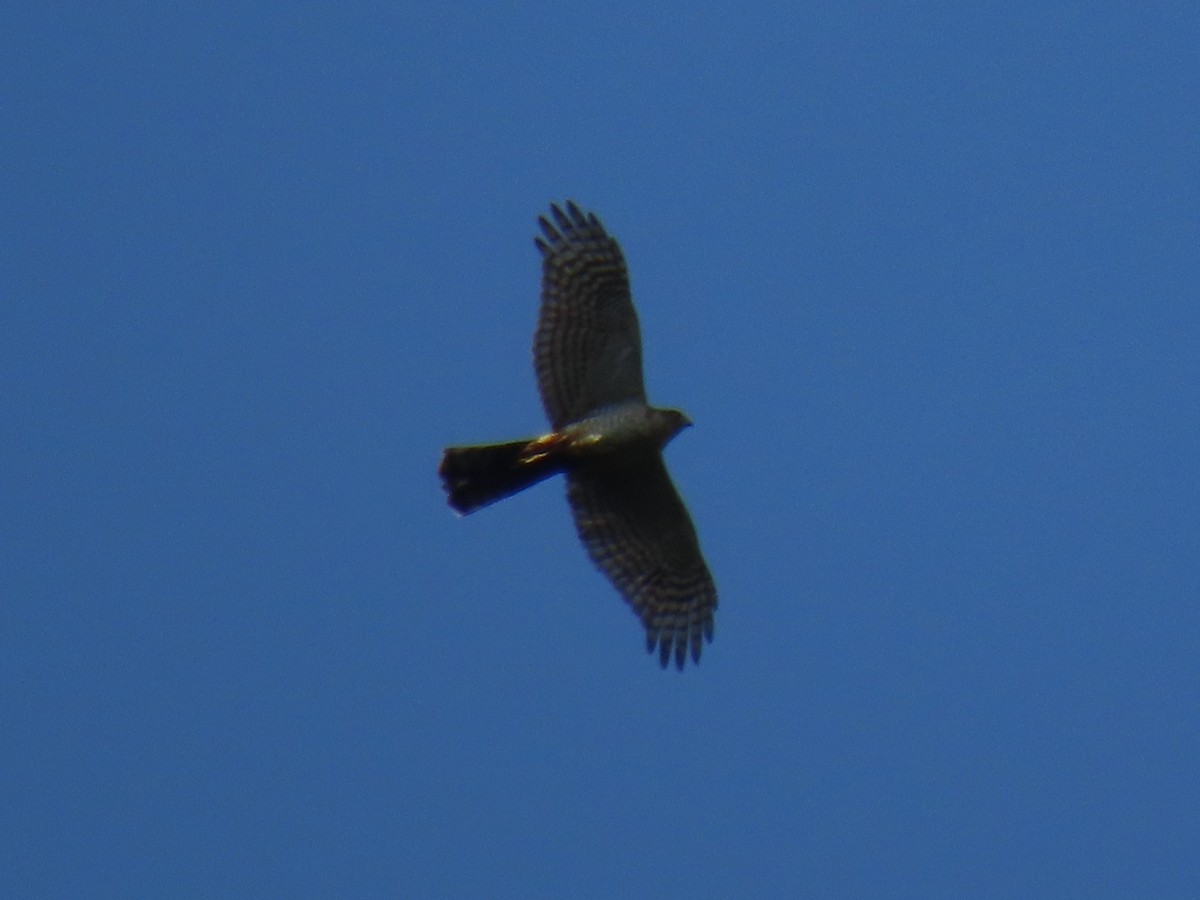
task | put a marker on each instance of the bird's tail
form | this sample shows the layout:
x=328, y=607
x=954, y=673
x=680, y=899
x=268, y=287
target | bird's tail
x=476, y=476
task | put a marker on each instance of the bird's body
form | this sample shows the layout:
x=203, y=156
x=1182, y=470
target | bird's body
x=613, y=436
x=607, y=440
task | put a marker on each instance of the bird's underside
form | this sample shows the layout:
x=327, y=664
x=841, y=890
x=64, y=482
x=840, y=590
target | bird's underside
x=606, y=440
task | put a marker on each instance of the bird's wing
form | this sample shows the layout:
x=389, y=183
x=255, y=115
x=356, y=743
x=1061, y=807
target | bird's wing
x=587, y=350
x=638, y=533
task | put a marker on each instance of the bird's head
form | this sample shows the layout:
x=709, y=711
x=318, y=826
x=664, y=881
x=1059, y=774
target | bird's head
x=674, y=420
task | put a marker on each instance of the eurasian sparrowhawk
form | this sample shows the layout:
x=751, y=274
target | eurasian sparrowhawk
x=587, y=352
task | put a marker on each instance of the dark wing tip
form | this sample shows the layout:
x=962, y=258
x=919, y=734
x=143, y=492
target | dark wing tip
x=552, y=236
x=677, y=645
x=564, y=224
x=577, y=216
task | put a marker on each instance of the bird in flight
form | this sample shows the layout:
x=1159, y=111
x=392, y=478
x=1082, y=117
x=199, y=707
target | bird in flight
x=605, y=438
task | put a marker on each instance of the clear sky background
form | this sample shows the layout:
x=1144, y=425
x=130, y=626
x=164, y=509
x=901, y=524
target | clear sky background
x=925, y=277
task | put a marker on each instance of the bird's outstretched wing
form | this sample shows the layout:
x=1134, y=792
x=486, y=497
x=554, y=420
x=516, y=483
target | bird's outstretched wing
x=587, y=350
x=638, y=532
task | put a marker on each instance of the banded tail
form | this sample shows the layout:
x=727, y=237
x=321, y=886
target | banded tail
x=477, y=476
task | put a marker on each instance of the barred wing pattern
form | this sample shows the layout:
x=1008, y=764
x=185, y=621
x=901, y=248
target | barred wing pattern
x=638, y=533
x=587, y=350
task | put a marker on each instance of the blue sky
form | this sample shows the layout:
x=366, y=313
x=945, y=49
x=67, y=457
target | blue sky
x=926, y=281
